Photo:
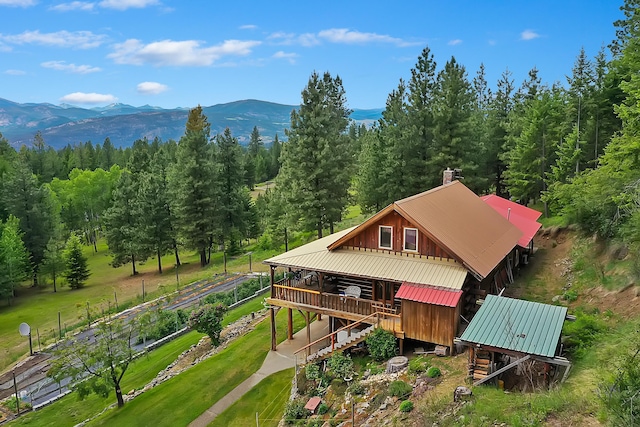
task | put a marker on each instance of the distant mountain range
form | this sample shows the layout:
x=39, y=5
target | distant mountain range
x=123, y=124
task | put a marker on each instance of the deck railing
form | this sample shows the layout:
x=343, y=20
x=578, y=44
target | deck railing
x=380, y=319
x=336, y=302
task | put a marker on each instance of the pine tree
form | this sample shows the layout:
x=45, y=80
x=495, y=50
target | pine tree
x=498, y=127
x=369, y=182
x=14, y=257
x=231, y=204
x=122, y=223
x=194, y=187
x=32, y=204
x=156, y=228
x=76, y=271
x=317, y=157
x=54, y=263
x=453, y=139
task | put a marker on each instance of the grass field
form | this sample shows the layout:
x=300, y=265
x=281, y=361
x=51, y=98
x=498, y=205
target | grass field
x=201, y=386
x=268, y=399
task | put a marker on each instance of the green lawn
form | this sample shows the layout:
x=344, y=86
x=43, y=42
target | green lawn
x=268, y=399
x=70, y=410
x=201, y=386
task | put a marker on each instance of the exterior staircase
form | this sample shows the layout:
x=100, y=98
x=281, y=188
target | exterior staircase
x=354, y=339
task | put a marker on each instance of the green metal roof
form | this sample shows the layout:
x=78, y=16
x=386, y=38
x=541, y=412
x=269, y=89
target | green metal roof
x=517, y=325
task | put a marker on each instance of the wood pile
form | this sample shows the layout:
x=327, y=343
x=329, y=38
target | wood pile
x=481, y=365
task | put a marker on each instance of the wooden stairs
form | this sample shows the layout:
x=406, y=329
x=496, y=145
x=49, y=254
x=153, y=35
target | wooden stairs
x=354, y=339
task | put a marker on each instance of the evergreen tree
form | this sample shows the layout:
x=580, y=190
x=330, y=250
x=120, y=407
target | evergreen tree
x=369, y=182
x=274, y=158
x=419, y=165
x=454, y=145
x=528, y=161
x=231, y=203
x=33, y=206
x=76, y=271
x=498, y=130
x=194, y=187
x=14, y=257
x=316, y=158
x=122, y=223
x=54, y=262
x=156, y=228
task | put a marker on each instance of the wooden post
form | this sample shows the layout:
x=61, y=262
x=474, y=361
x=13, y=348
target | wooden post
x=289, y=324
x=273, y=329
x=272, y=268
x=401, y=340
x=308, y=318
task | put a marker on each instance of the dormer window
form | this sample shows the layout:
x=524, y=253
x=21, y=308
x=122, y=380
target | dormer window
x=385, y=237
x=411, y=239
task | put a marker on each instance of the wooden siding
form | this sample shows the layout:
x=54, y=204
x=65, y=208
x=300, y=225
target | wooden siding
x=430, y=323
x=368, y=238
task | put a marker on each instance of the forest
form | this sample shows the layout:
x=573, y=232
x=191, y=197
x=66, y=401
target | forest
x=571, y=148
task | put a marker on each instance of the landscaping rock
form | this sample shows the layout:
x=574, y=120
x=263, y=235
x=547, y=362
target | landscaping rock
x=397, y=364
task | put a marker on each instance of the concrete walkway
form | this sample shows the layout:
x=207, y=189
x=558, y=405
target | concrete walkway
x=276, y=361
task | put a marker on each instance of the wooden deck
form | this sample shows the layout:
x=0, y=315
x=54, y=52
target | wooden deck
x=341, y=306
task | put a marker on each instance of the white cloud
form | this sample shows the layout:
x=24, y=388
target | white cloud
x=151, y=88
x=74, y=5
x=291, y=57
x=346, y=36
x=248, y=27
x=17, y=3
x=77, y=39
x=15, y=72
x=127, y=4
x=282, y=38
x=187, y=53
x=454, y=42
x=72, y=68
x=88, y=98
x=529, y=35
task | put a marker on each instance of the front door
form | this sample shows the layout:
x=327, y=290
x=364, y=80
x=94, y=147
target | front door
x=384, y=293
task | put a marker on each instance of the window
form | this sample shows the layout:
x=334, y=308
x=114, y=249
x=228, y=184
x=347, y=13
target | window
x=386, y=237
x=411, y=239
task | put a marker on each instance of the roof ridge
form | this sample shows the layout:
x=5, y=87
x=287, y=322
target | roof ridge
x=424, y=193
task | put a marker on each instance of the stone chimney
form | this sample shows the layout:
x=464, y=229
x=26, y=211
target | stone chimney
x=448, y=176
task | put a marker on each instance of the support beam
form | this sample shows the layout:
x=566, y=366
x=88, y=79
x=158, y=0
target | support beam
x=308, y=321
x=501, y=370
x=273, y=329
x=289, y=324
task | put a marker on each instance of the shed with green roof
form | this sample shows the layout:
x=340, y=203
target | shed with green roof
x=519, y=329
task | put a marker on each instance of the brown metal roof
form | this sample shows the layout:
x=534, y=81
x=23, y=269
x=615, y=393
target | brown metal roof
x=459, y=221
x=428, y=294
x=371, y=264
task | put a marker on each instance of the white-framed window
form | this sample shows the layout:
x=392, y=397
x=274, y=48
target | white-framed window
x=385, y=237
x=411, y=239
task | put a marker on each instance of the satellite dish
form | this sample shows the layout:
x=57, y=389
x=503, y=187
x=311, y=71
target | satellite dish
x=24, y=329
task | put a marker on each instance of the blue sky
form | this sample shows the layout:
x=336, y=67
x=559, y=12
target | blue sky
x=172, y=53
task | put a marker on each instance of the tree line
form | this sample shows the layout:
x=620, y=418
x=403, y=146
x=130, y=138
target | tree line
x=568, y=145
x=147, y=200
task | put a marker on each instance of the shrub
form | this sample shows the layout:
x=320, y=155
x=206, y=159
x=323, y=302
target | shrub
x=400, y=389
x=417, y=366
x=570, y=295
x=382, y=344
x=433, y=372
x=208, y=320
x=312, y=372
x=322, y=408
x=295, y=410
x=581, y=333
x=406, y=406
x=341, y=365
x=356, y=388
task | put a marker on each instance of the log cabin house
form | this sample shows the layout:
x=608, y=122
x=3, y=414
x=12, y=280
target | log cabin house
x=415, y=268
